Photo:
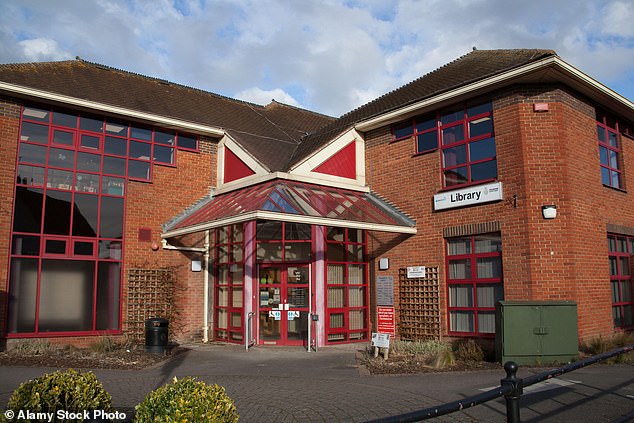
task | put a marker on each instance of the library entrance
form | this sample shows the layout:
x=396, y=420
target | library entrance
x=284, y=304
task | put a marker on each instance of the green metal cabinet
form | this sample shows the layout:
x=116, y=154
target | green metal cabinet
x=536, y=332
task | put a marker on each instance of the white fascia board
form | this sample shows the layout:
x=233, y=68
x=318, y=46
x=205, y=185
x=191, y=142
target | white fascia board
x=598, y=86
x=292, y=218
x=503, y=78
x=305, y=167
x=228, y=142
x=258, y=179
x=116, y=110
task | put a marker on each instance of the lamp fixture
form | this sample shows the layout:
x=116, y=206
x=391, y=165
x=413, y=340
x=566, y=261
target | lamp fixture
x=549, y=211
x=384, y=263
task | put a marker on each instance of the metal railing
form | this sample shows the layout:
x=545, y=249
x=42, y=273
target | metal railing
x=511, y=388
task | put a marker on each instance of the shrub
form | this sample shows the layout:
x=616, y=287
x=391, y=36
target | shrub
x=469, y=351
x=63, y=390
x=187, y=400
x=443, y=359
x=431, y=347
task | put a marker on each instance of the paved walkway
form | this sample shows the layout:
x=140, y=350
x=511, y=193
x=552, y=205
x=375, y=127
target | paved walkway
x=291, y=385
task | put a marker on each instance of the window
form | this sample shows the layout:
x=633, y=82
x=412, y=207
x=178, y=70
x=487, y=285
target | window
x=347, y=285
x=620, y=250
x=474, y=283
x=468, y=145
x=283, y=241
x=229, y=259
x=465, y=135
x=609, y=150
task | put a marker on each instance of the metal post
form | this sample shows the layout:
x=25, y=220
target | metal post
x=513, y=397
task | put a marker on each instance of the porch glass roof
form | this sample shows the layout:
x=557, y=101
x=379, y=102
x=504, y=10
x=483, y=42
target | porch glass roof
x=293, y=201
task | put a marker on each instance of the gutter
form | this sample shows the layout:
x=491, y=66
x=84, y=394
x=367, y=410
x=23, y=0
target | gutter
x=554, y=62
x=122, y=111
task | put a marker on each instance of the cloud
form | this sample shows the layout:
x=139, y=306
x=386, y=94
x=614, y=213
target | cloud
x=42, y=49
x=329, y=56
x=259, y=96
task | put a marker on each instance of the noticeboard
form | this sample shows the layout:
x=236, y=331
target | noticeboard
x=385, y=290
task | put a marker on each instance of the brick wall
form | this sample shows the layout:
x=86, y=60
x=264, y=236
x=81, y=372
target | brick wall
x=543, y=158
x=148, y=206
x=9, y=126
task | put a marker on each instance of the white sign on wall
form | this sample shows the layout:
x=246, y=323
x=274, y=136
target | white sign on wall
x=468, y=196
x=415, y=272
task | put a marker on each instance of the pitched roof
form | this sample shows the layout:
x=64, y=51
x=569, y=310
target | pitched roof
x=472, y=67
x=277, y=135
x=267, y=132
x=292, y=201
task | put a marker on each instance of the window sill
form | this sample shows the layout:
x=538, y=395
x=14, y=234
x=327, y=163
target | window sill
x=474, y=184
x=615, y=189
x=422, y=153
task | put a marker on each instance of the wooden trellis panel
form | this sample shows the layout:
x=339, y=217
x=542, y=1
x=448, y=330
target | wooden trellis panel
x=150, y=294
x=419, y=311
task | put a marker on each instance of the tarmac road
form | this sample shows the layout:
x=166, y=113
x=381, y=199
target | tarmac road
x=291, y=385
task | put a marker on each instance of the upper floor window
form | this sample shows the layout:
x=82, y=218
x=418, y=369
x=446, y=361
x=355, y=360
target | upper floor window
x=609, y=150
x=465, y=136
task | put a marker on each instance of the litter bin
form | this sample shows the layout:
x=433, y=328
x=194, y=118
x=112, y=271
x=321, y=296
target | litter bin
x=156, y=335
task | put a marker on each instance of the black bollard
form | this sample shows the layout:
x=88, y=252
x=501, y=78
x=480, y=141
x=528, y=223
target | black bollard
x=513, y=397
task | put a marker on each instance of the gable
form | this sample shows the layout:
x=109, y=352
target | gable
x=342, y=164
x=234, y=168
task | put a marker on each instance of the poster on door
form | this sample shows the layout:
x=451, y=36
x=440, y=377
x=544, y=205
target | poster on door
x=385, y=320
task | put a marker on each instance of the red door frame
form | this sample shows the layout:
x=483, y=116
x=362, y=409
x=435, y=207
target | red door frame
x=283, y=285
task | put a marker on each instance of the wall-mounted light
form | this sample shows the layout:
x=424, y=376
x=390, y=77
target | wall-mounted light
x=384, y=263
x=549, y=211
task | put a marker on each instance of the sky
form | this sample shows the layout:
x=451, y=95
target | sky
x=329, y=56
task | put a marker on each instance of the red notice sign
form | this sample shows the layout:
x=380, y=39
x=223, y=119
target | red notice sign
x=385, y=320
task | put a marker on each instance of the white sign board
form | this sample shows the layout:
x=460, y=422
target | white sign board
x=415, y=272
x=468, y=196
x=380, y=340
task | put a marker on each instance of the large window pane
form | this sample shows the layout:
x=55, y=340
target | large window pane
x=57, y=212
x=32, y=132
x=34, y=154
x=108, y=296
x=484, y=171
x=111, y=222
x=89, y=162
x=489, y=267
x=28, y=210
x=86, y=215
x=461, y=321
x=460, y=269
x=66, y=295
x=482, y=149
x=63, y=158
x=22, y=295
x=461, y=295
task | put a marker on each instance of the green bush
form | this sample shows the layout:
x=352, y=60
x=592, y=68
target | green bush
x=68, y=390
x=187, y=400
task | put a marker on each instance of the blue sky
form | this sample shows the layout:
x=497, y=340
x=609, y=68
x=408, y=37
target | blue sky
x=329, y=56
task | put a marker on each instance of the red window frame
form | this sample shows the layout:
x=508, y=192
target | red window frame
x=344, y=332
x=459, y=157
x=472, y=281
x=620, y=251
x=609, y=150
x=42, y=177
x=228, y=263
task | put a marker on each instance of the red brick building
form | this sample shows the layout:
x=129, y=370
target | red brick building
x=502, y=175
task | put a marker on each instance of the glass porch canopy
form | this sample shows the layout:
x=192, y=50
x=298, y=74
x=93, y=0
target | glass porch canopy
x=292, y=201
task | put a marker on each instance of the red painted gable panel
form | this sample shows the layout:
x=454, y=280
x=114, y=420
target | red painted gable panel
x=342, y=163
x=234, y=167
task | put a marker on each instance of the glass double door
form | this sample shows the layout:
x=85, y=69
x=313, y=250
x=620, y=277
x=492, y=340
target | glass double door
x=284, y=300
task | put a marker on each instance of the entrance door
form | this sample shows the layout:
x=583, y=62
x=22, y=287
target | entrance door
x=284, y=292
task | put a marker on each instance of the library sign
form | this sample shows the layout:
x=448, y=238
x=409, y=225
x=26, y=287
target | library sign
x=468, y=196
